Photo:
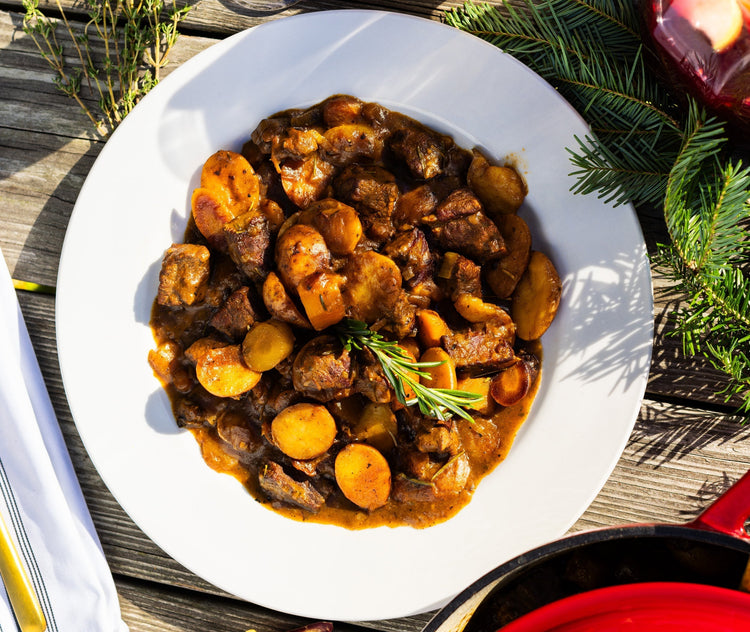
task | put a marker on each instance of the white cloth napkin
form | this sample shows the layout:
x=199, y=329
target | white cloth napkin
x=40, y=497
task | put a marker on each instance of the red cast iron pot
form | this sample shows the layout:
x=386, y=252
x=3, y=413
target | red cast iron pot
x=636, y=562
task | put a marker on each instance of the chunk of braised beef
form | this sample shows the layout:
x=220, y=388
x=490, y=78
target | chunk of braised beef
x=373, y=191
x=462, y=276
x=190, y=414
x=481, y=346
x=184, y=275
x=324, y=370
x=279, y=398
x=237, y=433
x=401, y=321
x=281, y=487
x=459, y=203
x=460, y=224
x=225, y=279
x=346, y=143
x=438, y=437
x=475, y=236
x=371, y=380
x=422, y=152
x=413, y=205
x=248, y=238
x=405, y=489
x=411, y=252
x=457, y=161
x=268, y=132
x=235, y=316
x=295, y=144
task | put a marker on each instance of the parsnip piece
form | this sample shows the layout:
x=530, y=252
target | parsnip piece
x=479, y=386
x=442, y=375
x=363, y=475
x=536, y=297
x=222, y=372
x=500, y=189
x=430, y=327
x=475, y=310
x=202, y=346
x=266, y=344
x=280, y=305
x=304, y=431
x=503, y=274
x=321, y=297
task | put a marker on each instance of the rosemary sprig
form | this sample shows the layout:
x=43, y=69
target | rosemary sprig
x=403, y=373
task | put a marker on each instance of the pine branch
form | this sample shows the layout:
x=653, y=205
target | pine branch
x=591, y=53
x=644, y=149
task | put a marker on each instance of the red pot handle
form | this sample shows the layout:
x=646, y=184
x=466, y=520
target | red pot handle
x=728, y=513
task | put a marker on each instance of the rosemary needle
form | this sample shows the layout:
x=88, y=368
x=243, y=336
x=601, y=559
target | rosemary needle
x=400, y=370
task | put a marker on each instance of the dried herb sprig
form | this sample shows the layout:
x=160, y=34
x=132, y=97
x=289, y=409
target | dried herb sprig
x=117, y=57
x=403, y=372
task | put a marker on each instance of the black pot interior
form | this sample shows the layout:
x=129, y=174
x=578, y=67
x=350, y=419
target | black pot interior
x=675, y=554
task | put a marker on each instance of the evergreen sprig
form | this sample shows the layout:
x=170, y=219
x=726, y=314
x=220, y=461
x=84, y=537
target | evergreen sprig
x=647, y=146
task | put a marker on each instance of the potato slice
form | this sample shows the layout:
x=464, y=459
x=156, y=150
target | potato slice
x=222, y=372
x=280, y=305
x=300, y=252
x=503, y=274
x=210, y=215
x=304, y=431
x=440, y=376
x=373, y=286
x=536, y=297
x=321, y=297
x=232, y=178
x=500, y=189
x=267, y=344
x=363, y=475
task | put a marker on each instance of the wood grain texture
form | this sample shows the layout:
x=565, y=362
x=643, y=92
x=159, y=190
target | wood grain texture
x=685, y=450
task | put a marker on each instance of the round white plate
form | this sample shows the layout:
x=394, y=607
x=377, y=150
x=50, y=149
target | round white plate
x=135, y=203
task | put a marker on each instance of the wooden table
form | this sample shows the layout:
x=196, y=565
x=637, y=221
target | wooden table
x=687, y=446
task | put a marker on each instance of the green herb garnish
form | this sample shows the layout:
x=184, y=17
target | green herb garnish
x=400, y=370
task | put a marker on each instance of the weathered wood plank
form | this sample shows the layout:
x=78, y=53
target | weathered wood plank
x=678, y=460
x=224, y=17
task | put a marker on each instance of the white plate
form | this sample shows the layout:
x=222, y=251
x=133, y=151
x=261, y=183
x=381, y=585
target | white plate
x=135, y=202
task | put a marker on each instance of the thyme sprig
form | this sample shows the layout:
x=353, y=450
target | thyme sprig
x=403, y=373
x=115, y=59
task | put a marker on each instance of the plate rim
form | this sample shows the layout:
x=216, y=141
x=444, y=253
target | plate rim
x=217, y=51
